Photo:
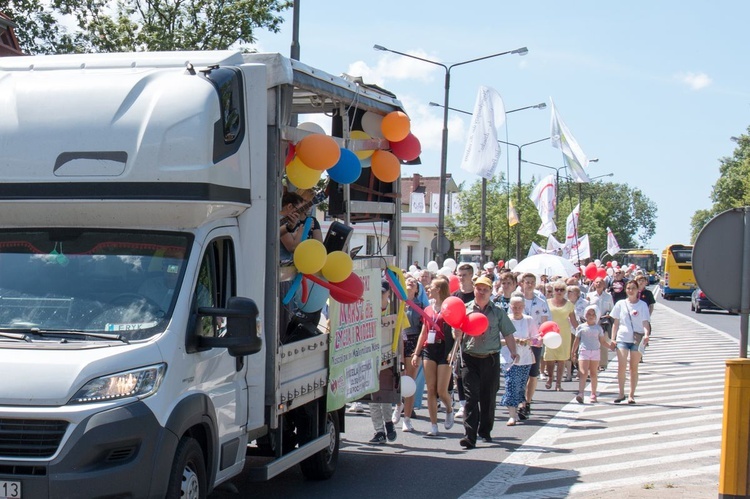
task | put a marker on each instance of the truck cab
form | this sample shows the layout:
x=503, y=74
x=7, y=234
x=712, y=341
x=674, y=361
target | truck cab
x=141, y=316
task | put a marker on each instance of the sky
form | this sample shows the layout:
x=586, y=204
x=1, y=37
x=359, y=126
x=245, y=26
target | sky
x=655, y=90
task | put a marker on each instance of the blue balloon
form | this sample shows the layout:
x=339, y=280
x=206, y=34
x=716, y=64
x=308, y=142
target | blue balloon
x=347, y=169
x=317, y=296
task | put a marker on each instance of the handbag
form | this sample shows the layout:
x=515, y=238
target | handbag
x=637, y=337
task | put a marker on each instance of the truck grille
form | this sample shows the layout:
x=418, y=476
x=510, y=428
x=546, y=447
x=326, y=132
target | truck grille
x=30, y=437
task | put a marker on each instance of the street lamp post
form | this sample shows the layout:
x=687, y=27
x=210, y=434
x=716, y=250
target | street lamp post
x=444, y=146
x=483, y=217
x=520, y=147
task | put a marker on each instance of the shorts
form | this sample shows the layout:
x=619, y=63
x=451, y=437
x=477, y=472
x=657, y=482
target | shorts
x=588, y=355
x=536, y=366
x=435, y=352
x=627, y=346
x=410, y=345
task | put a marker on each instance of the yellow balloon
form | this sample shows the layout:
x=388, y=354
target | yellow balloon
x=310, y=256
x=300, y=175
x=360, y=135
x=338, y=266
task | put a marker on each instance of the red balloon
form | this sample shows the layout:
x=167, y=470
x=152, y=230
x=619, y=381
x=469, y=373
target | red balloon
x=453, y=311
x=549, y=327
x=601, y=272
x=454, y=283
x=609, y=264
x=353, y=289
x=407, y=149
x=501, y=263
x=475, y=324
x=591, y=271
x=290, y=152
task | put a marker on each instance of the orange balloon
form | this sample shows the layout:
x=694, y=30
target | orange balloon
x=318, y=152
x=385, y=166
x=395, y=126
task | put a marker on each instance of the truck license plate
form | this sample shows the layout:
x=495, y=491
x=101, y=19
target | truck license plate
x=10, y=490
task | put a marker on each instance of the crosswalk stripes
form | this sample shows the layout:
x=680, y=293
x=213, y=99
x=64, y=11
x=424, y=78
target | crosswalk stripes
x=672, y=435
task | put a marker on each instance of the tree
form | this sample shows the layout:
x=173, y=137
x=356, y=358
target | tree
x=140, y=25
x=630, y=214
x=732, y=189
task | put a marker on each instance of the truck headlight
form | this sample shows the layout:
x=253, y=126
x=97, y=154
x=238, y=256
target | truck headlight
x=140, y=383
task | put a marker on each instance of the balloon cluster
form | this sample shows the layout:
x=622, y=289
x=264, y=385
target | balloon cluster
x=592, y=271
x=453, y=311
x=396, y=128
x=322, y=274
x=550, y=333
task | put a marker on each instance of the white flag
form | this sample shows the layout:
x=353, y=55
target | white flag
x=535, y=249
x=553, y=244
x=482, y=149
x=544, y=198
x=612, y=246
x=573, y=155
x=455, y=205
x=571, y=228
x=435, y=203
x=581, y=250
x=417, y=202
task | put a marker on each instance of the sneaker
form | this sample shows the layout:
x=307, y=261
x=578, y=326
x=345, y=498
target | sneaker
x=449, y=420
x=593, y=398
x=396, y=416
x=390, y=432
x=406, y=425
x=433, y=431
x=511, y=422
x=356, y=407
x=378, y=439
x=460, y=413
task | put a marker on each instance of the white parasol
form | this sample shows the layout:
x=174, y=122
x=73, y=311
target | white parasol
x=550, y=265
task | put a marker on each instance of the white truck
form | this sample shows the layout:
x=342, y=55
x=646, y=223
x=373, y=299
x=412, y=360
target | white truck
x=141, y=323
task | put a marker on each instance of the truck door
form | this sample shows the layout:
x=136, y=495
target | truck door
x=218, y=374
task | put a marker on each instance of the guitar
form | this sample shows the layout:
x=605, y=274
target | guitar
x=317, y=199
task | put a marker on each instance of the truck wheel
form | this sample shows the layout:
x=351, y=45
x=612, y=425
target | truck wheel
x=322, y=465
x=188, y=476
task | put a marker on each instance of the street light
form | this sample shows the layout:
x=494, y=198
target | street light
x=483, y=217
x=444, y=146
x=520, y=147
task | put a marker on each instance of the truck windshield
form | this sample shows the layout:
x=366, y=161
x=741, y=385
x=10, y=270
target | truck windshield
x=90, y=280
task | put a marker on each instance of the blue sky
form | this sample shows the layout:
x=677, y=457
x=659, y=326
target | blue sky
x=653, y=89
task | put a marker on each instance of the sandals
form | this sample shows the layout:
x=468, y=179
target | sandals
x=593, y=399
x=548, y=385
x=631, y=400
x=559, y=388
x=620, y=399
x=579, y=398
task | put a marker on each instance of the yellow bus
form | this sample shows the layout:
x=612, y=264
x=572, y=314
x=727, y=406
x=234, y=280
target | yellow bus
x=644, y=258
x=677, y=271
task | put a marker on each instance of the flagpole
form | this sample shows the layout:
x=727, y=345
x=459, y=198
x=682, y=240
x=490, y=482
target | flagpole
x=444, y=146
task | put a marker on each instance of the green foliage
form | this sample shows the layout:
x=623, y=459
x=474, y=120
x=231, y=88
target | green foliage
x=626, y=210
x=141, y=25
x=732, y=189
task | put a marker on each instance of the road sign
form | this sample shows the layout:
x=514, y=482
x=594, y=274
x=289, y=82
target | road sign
x=444, y=247
x=717, y=259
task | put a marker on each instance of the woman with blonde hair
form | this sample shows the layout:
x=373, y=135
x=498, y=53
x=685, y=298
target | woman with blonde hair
x=563, y=314
x=434, y=346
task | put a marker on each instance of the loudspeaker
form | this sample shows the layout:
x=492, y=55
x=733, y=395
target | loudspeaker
x=338, y=237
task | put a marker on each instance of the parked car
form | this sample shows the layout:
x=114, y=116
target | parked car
x=700, y=302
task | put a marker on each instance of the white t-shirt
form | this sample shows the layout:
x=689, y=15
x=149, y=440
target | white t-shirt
x=525, y=329
x=537, y=308
x=631, y=317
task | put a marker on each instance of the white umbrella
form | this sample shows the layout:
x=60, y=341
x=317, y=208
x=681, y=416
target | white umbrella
x=550, y=265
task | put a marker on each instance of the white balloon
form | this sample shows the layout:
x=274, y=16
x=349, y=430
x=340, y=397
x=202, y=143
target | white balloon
x=408, y=386
x=512, y=263
x=614, y=263
x=311, y=127
x=371, y=124
x=412, y=268
x=366, y=162
x=450, y=263
x=432, y=266
x=552, y=340
x=610, y=272
x=445, y=271
x=597, y=262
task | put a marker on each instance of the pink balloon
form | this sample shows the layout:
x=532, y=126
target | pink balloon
x=475, y=324
x=453, y=311
x=454, y=283
x=407, y=149
x=549, y=326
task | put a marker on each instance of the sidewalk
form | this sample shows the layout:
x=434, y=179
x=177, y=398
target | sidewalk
x=667, y=445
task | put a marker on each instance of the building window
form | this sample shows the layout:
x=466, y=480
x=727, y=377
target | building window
x=371, y=247
x=409, y=256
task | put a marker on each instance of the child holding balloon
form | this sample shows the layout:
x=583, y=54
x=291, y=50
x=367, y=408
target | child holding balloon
x=589, y=337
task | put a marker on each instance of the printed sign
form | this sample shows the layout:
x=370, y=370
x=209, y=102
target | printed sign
x=354, y=344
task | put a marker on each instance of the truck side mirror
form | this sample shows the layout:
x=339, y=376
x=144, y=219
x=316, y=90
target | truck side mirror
x=243, y=331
